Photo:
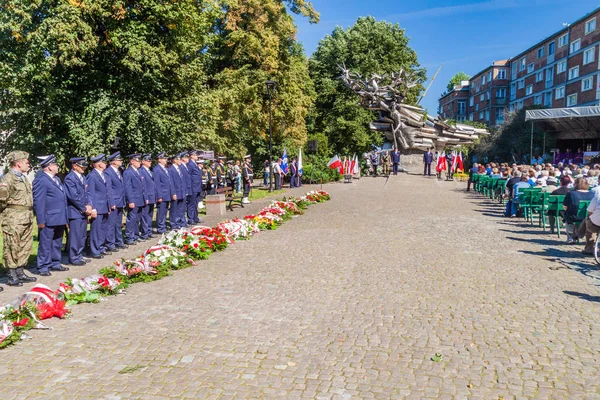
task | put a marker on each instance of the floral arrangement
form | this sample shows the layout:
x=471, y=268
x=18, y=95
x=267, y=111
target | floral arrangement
x=177, y=249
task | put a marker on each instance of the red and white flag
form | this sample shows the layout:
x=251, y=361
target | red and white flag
x=352, y=163
x=459, y=162
x=335, y=163
x=356, y=165
x=441, y=163
x=454, y=159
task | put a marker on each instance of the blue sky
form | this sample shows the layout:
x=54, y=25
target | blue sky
x=461, y=35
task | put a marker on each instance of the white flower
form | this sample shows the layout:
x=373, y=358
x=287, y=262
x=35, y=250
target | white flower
x=175, y=261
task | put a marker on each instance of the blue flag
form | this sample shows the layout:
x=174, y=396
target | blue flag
x=284, y=162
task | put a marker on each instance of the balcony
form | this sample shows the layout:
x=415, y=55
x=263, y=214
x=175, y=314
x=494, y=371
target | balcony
x=500, y=101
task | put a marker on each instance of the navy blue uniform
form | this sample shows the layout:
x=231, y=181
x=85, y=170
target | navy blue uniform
x=148, y=211
x=98, y=187
x=78, y=198
x=196, y=192
x=427, y=160
x=176, y=215
x=164, y=192
x=395, y=161
x=293, y=175
x=187, y=184
x=134, y=193
x=50, y=206
x=114, y=235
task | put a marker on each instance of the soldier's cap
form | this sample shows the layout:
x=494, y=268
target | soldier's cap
x=193, y=152
x=46, y=161
x=160, y=155
x=16, y=155
x=230, y=162
x=115, y=156
x=147, y=157
x=79, y=161
x=98, y=158
x=135, y=156
x=247, y=156
x=175, y=156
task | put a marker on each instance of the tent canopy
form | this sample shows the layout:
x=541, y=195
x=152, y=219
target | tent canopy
x=584, y=120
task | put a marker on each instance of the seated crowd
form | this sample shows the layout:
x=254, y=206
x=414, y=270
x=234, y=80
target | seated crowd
x=575, y=182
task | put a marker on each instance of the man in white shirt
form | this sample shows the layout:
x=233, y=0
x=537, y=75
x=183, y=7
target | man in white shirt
x=591, y=226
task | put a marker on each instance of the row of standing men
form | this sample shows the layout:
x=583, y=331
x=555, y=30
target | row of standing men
x=175, y=185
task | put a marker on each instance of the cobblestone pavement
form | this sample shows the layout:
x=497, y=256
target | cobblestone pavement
x=352, y=300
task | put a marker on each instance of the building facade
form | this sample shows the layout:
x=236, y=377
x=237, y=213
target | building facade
x=488, y=94
x=453, y=105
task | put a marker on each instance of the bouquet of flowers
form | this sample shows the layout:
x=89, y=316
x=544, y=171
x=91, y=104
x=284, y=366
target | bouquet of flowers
x=289, y=207
x=238, y=229
x=90, y=289
x=168, y=257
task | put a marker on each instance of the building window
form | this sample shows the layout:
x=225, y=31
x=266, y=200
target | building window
x=501, y=93
x=521, y=84
x=574, y=72
x=519, y=105
x=511, y=108
x=501, y=74
x=572, y=100
x=539, y=76
x=590, y=26
x=483, y=80
x=462, y=107
x=487, y=115
x=529, y=90
x=587, y=84
x=477, y=107
x=471, y=102
x=471, y=117
x=589, y=55
x=537, y=100
x=551, y=48
x=481, y=115
x=563, y=40
x=481, y=97
x=561, y=67
x=575, y=46
x=540, y=52
x=530, y=68
x=559, y=93
x=523, y=64
x=500, y=115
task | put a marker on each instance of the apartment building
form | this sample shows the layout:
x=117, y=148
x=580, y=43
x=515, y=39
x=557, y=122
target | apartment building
x=453, y=105
x=560, y=71
x=488, y=94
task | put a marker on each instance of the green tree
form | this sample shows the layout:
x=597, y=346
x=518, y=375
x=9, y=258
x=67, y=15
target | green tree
x=457, y=79
x=368, y=47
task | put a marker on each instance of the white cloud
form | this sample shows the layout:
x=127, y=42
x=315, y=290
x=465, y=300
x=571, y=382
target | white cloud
x=486, y=6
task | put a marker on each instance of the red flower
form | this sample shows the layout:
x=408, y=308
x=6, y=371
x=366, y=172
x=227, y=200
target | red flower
x=22, y=322
x=195, y=245
x=186, y=247
x=104, y=282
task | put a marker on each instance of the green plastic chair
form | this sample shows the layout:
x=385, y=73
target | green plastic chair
x=555, y=206
x=500, y=190
x=582, y=212
x=525, y=201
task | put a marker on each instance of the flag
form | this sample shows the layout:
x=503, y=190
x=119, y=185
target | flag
x=454, y=157
x=300, y=162
x=441, y=163
x=284, y=162
x=334, y=163
x=352, y=164
x=459, y=162
x=343, y=166
x=356, y=165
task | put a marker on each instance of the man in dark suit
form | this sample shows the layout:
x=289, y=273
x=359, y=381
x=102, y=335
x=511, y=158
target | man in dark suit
x=164, y=191
x=50, y=207
x=187, y=181
x=293, y=173
x=136, y=199
x=176, y=214
x=79, y=208
x=148, y=213
x=196, y=193
x=395, y=160
x=98, y=188
x=427, y=160
x=114, y=172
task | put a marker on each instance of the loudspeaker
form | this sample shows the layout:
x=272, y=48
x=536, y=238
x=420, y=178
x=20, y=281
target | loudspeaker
x=312, y=147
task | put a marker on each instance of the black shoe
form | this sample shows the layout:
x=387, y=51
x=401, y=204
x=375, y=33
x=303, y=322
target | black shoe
x=122, y=246
x=78, y=263
x=87, y=260
x=45, y=273
x=60, y=268
x=24, y=278
x=14, y=283
x=130, y=243
x=1, y=288
x=97, y=256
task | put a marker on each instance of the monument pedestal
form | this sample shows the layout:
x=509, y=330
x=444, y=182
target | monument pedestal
x=215, y=204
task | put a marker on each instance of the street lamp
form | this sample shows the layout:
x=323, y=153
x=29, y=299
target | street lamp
x=270, y=86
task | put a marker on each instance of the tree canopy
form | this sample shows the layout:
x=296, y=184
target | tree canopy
x=457, y=79
x=367, y=47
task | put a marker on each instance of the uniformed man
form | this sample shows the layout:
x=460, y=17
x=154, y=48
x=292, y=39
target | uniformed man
x=212, y=177
x=135, y=197
x=187, y=181
x=114, y=172
x=230, y=175
x=16, y=218
x=396, y=160
x=79, y=208
x=202, y=166
x=176, y=214
x=247, y=176
x=196, y=192
x=293, y=173
x=50, y=207
x=374, y=161
x=148, y=211
x=98, y=188
x=385, y=161
x=164, y=192
x=220, y=170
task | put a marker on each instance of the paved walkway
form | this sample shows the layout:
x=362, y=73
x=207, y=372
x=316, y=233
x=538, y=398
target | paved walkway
x=351, y=300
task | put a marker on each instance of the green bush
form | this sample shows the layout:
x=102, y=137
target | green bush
x=317, y=169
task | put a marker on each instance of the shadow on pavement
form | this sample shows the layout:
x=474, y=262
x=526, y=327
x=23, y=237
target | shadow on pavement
x=583, y=296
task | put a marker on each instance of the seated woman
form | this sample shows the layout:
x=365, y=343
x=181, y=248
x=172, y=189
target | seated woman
x=496, y=173
x=571, y=205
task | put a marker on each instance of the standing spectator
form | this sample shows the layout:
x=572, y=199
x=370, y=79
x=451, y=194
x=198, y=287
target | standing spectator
x=427, y=160
x=267, y=171
x=571, y=205
x=472, y=171
x=395, y=160
x=277, y=173
x=247, y=176
x=293, y=173
x=374, y=162
x=238, y=176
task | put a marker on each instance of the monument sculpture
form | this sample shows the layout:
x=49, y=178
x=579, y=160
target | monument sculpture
x=407, y=127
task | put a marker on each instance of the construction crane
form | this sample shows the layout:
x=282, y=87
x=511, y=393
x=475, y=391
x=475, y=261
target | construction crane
x=428, y=86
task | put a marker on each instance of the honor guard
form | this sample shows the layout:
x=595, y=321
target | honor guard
x=79, y=208
x=164, y=192
x=50, y=207
x=16, y=218
x=212, y=177
x=196, y=192
x=202, y=166
x=114, y=174
x=135, y=196
x=98, y=188
x=148, y=211
x=187, y=180
x=247, y=176
x=230, y=175
x=177, y=211
x=220, y=169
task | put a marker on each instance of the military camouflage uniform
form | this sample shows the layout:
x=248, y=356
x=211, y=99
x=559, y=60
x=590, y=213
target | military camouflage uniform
x=385, y=161
x=16, y=218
